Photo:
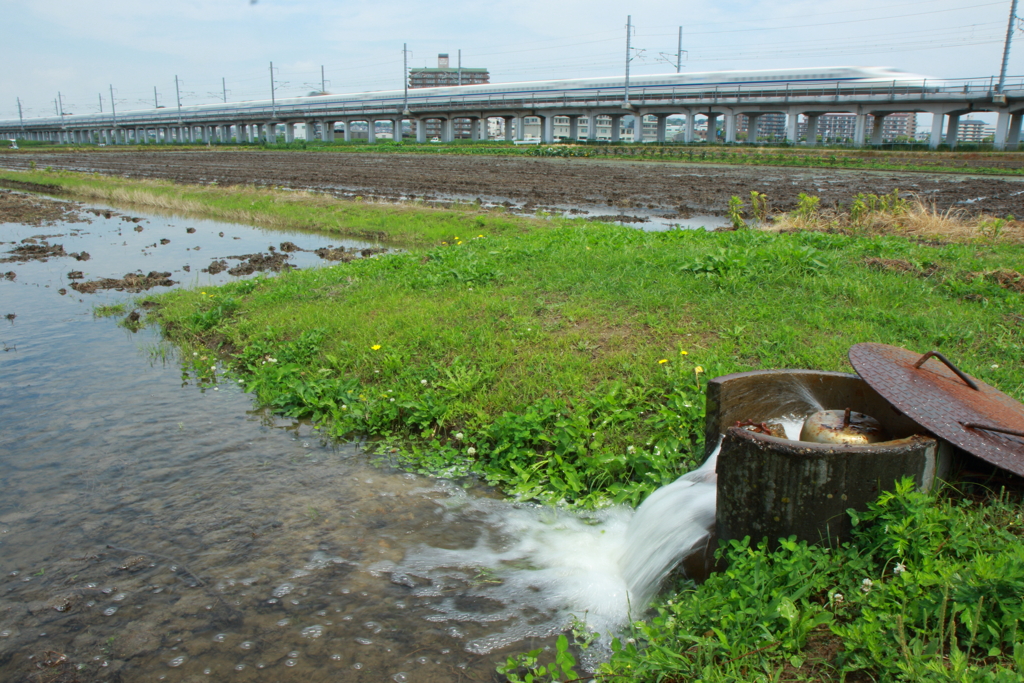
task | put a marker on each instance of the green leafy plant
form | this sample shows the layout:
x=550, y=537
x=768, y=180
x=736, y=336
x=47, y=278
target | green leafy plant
x=735, y=212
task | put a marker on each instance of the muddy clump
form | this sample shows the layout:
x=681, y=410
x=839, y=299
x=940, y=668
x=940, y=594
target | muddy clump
x=345, y=255
x=35, y=252
x=289, y=247
x=17, y=207
x=132, y=282
x=10, y=275
x=216, y=267
x=251, y=263
x=190, y=230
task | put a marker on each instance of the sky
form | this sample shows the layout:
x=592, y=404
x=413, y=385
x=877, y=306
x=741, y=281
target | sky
x=83, y=48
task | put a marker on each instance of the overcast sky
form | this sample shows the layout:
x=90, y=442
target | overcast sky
x=81, y=47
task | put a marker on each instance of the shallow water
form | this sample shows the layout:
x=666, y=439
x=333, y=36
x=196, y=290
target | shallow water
x=155, y=530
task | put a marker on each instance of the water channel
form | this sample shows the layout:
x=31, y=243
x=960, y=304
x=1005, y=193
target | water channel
x=154, y=530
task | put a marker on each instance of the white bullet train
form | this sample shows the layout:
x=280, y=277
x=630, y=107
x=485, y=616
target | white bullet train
x=604, y=89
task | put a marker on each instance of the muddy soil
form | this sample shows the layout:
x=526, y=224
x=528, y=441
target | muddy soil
x=132, y=282
x=18, y=207
x=683, y=189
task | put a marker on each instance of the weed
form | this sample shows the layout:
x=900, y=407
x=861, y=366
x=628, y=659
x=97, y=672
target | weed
x=735, y=212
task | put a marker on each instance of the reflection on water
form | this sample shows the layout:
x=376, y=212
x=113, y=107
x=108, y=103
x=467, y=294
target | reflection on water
x=154, y=531
x=157, y=532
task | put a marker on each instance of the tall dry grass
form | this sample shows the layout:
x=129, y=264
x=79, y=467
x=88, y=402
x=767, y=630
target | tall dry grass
x=908, y=218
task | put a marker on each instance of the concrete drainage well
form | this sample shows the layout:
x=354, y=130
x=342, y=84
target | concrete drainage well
x=776, y=487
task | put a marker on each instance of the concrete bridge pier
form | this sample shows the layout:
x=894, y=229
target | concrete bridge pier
x=574, y=128
x=271, y=132
x=812, y=129
x=520, y=127
x=689, y=121
x=877, y=128
x=616, y=127
x=952, y=129
x=752, y=120
x=509, y=130
x=936, y=135
x=730, y=128
x=396, y=129
x=474, y=128
x=661, y=127
x=1013, y=133
x=860, y=124
x=289, y=131
x=1008, y=126
x=447, y=129
x=421, y=129
x=792, y=127
x=712, y=135
x=371, y=130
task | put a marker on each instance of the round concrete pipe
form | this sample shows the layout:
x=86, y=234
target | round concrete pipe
x=774, y=487
x=764, y=395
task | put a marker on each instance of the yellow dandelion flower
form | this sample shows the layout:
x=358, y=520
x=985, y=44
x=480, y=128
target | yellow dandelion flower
x=663, y=360
x=698, y=369
x=459, y=242
x=375, y=347
x=684, y=353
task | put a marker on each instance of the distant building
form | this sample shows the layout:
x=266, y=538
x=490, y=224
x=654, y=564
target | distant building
x=842, y=127
x=445, y=76
x=973, y=130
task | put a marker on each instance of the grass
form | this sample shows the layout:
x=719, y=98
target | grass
x=909, y=157
x=566, y=362
x=401, y=224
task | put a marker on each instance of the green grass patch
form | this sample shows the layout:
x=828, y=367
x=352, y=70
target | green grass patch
x=108, y=310
x=568, y=364
x=400, y=224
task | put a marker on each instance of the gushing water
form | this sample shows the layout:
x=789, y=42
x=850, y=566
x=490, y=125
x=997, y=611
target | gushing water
x=673, y=522
x=533, y=569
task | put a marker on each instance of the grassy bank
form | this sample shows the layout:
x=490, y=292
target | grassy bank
x=566, y=361
x=901, y=158
x=406, y=225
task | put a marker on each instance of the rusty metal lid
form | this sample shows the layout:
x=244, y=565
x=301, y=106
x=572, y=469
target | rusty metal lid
x=947, y=402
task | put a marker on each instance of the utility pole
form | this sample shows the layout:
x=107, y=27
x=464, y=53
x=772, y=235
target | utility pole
x=273, y=102
x=177, y=94
x=113, y=109
x=1006, y=47
x=629, y=37
x=60, y=108
x=224, y=88
x=156, y=102
x=21, y=119
x=405, y=78
x=100, y=95
x=323, y=81
x=679, y=52
x=460, y=67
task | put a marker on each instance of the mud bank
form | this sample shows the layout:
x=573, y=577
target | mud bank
x=675, y=189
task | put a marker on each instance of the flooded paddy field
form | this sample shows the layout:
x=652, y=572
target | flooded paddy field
x=155, y=530
x=650, y=195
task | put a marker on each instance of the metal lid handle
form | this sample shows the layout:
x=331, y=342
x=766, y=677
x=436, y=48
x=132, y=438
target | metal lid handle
x=990, y=428
x=970, y=382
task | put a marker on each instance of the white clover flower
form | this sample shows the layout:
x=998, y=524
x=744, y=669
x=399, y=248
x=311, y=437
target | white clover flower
x=241, y=381
x=631, y=449
x=899, y=568
x=459, y=436
x=392, y=400
x=995, y=367
x=423, y=382
x=866, y=585
x=195, y=353
x=837, y=597
x=471, y=451
x=213, y=367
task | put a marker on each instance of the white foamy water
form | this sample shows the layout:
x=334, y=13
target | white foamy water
x=533, y=569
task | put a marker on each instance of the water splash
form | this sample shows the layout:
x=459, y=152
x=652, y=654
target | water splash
x=672, y=523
